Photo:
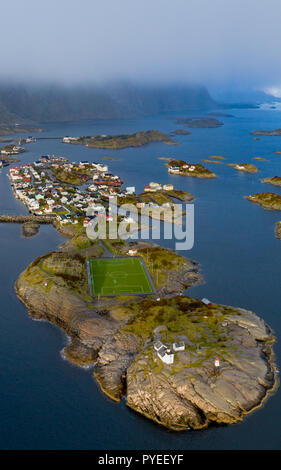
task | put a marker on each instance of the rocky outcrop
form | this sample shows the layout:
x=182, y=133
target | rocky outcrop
x=274, y=180
x=114, y=358
x=244, y=167
x=49, y=297
x=187, y=394
x=266, y=200
x=30, y=229
x=179, y=280
x=278, y=230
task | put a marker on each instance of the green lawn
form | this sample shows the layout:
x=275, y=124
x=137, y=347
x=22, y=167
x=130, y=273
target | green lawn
x=119, y=276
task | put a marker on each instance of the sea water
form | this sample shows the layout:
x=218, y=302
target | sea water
x=48, y=403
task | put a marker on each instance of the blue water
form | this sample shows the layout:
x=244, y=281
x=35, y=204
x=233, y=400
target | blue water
x=48, y=403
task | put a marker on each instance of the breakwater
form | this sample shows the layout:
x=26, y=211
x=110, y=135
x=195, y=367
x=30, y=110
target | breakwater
x=21, y=219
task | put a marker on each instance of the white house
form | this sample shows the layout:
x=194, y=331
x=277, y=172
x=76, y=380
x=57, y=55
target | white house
x=174, y=170
x=34, y=205
x=132, y=252
x=68, y=139
x=180, y=346
x=166, y=355
x=158, y=345
x=130, y=190
x=101, y=167
x=168, y=187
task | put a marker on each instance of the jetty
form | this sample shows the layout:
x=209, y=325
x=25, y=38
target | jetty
x=21, y=219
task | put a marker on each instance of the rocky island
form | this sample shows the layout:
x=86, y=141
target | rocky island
x=112, y=159
x=196, y=170
x=245, y=167
x=11, y=149
x=217, y=157
x=199, y=122
x=180, y=132
x=266, y=200
x=274, y=180
x=123, y=336
x=213, y=162
x=121, y=141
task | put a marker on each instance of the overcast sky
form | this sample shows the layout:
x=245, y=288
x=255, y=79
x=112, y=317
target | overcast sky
x=214, y=42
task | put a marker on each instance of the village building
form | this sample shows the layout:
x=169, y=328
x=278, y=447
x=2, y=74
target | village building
x=130, y=190
x=168, y=187
x=179, y=346
x=158, y=345
x=166, y=355
x=132, y=252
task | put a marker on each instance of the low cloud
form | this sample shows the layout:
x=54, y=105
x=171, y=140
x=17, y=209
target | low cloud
x=216, y=43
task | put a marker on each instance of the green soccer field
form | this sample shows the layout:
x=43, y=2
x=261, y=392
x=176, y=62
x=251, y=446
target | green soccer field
x=119, y=276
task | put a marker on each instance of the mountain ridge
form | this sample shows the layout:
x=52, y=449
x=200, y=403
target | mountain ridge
x=46, y=103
